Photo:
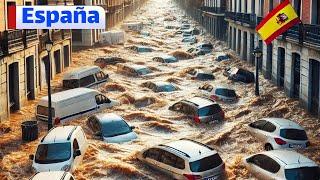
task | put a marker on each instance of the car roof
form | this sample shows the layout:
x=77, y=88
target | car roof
x=290, y=158
x=82, y=72
x=59, y=134
x=162, y=83
x=137, y=66
x=68, y=94
x=284, y=123
x=200, y=101
x=108, y=117
x=49, y=175
x=204, y=71
x=192, y=149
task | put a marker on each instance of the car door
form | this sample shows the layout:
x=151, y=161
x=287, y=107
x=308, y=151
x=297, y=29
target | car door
x=171, y=164
x=151, y=157
x=75, y=147
x=267, y=131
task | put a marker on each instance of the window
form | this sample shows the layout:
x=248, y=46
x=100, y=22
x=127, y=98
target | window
x=258, y=124
x=75, y=145
x=70, y=84
x=115, y=128
x=94, y=125
x=209, y=110
x=303, y=173
x=206, y=163
x=269, y=127
x=172, y=160
x=86, y=81
x=152, y=153
x=226, y=92
x=101, y=76
x=265, y=162
x=53, y=153
x=294, y=134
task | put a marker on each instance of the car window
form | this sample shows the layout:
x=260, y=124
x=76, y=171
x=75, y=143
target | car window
x=269, y=127
x=294, y=134
x=94, y=125
x=206, y=163
x=75, y=145
x=71, y=83
x=177, y=107
x=172, y=160
x=265, y=163
x=53, y=153
x=115, y=128
x=152, y=153
x=258, y=124
x=101, y=99
x=87, y=81
x=303, y=173
x=101, y=76
x=226, y=92
x=209, y=110
x=205, y=76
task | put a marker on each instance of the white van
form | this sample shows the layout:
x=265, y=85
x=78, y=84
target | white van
x=73, y=103
x=89, y=76
x=53, y=175
x=62, y=149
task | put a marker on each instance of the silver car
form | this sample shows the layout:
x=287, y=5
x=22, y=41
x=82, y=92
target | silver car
x=279, y=133
x=111, y=128
x=282, y=165
x=185, y=159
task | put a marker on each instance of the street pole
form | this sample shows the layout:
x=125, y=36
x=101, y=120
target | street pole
x=49, y=85
x=257, y=77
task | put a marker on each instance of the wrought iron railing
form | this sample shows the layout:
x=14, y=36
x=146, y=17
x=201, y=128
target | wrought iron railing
x=312, y=34
x=217, y=10
x=30, y=37
x=12, y=41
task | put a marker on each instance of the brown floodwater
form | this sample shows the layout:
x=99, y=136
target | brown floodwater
x=148, y=111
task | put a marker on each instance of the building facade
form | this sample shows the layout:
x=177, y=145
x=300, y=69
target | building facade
x=22, y=59
x=292, y=61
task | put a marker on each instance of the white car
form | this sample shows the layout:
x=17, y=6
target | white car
x=62, y=149
x=53, y=175
x=282, y=165
x=219, y=93
x=185, y=159
x=112, y=128
x=279, y=133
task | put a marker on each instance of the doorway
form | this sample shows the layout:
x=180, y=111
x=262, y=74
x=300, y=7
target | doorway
x=315, y=86
x=269, y=62
x=57, y=61
x=296, y=75
x=245, y=46
x=30, y=78
x=281, y=66
x=14, y=87
x=239, y=42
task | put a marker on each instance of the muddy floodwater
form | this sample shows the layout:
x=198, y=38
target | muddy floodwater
x=148, y=111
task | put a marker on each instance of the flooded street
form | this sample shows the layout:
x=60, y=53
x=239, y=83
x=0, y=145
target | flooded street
x=148, y=111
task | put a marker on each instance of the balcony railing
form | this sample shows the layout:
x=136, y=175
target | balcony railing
x=57, y=35
x=295, y=33
x=216, y=10
x=43, y=38
x=242, y=18
x=259, y=19
x=230, y=15
x=66, y=33
x=312, y=34
x=30, y=37
x=12, y=41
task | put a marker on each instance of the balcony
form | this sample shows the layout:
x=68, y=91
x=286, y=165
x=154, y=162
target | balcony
x=66, y=33
x=30, y=37
x=244, y=19
x=295, y=34
x=215, y=10
x=56, y=35
x=230, y=15
x=259, y=19
x=312, y=34
x=12, y=41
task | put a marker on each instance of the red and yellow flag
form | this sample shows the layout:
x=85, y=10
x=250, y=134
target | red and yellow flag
x=279, y=20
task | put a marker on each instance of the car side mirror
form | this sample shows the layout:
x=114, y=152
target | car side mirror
x=77, y=153
x=31, y=156
x=132, y=127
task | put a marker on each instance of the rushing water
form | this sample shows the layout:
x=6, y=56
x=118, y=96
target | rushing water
x=148, y=111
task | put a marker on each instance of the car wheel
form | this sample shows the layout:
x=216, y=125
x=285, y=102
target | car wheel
x=268, y=147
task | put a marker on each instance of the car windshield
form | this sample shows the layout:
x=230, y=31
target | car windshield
x=143, y=71
x=144, y=49
x=205, y=76
x=115, y=128
x=206, y=163
x=53, y=153
x=209, y=110
x=303, y=173
x=294, y=134
x=166, y=88
x=226, y=92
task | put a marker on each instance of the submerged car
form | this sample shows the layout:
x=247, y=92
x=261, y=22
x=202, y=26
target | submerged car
x=102, y=62
x=133, y=69
x=202, y=75
x=222, y=57
x=190, y=39
x=111, y=128
x=53, y=175
x=202, y=49
x=185, y=159
x=165, y=59
x=160, y=86
x=141, y=49
x=185, y=26
x=279, y=133
x=201, y=109
x=239, y=74
x=282, y=165
x=219, y=93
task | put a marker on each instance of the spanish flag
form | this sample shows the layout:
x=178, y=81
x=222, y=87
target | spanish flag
x=279, y=20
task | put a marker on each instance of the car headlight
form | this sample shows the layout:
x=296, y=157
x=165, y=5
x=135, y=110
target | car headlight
x=65, y=168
